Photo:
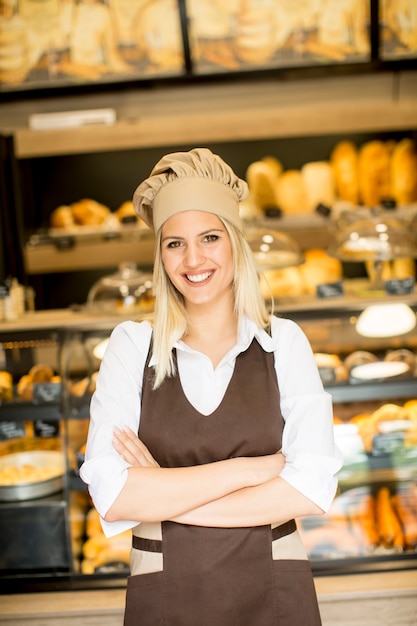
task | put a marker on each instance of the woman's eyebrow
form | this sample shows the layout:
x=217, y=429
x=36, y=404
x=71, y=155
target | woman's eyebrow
x=204, y=232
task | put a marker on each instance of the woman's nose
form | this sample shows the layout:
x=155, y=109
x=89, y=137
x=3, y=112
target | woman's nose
x=193, y=256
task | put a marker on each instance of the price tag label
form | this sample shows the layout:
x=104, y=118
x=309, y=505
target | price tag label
x=387, y=443
x=397, y=286
x=44, y=428
x=327, y=375
x=330, y=290
x=11, y=430
x=47, y=392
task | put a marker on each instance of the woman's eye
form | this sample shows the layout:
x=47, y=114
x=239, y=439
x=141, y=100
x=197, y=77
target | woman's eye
x=212, y=237
x=174, y=244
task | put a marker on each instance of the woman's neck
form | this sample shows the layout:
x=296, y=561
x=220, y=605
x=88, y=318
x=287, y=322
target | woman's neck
x=213, y=333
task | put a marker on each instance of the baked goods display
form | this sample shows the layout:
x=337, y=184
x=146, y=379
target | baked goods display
x=90, y=213
x=331, y=368
x=363, y=365
x=15, y=470
x=240, y=34
x=387, y=419
x=363, y=522
x=398, y=20
x=367, y=174
x=359, y=357
x=318, y=268
x=39, y=373
x=100, y=552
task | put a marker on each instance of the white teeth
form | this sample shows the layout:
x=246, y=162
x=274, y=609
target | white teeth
x=198, y=278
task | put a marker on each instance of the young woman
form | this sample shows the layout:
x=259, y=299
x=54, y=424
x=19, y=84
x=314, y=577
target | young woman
x=210, y=429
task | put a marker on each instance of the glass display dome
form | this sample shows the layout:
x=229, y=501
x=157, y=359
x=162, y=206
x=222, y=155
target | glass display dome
x=125, y=291
x=374, y=239
x=273, y=249
x=373, y=236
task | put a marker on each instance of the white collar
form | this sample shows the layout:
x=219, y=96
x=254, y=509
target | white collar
x=248, y=330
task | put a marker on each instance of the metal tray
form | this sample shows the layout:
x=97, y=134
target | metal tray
x=38, y=489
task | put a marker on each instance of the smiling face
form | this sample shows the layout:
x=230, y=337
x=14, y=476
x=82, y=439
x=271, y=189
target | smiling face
x=197, y=257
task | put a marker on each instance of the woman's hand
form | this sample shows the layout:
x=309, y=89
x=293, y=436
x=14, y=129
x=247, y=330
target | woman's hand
x=132, y=449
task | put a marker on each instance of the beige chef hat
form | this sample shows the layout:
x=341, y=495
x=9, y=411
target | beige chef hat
x=197, y=180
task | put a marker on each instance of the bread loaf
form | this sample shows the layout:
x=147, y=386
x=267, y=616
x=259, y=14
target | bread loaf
x=403, y=355
x=62, y=217
x=404, y=172
x=283, y=282
x=374, y=172
x=319, y=184
x=262, y=178
x=319, y=268
x=359, y=357
x=88, y=212
x=291, y=193
x=344, y=161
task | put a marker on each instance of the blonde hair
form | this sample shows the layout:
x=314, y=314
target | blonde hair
x=170, y=318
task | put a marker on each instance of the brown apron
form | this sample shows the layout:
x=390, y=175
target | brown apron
x=198, y=576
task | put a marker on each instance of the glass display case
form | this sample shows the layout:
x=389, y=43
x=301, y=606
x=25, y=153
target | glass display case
x=371, y=526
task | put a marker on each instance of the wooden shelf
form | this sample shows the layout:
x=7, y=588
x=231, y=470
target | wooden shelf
x=87, y=255
x=198, y=114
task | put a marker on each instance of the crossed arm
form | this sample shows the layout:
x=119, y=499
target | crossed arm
x=245, y=491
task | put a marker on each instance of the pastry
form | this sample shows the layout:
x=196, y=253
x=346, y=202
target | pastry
x=88, y=212
x=389, y=412
x=406, y=510
x=359, y=357
x=262, y=178
x=319, y=184
x=404, y=172
x=291, y=193
x=62, y=217
x=41, y=373
x=25, y=387
x=319, y=268
x=374, y=166
x=38, y=373
x=333, y=364
x=283, y=282
x=344, y=161
x=404, y=355
x=6, y=386
x=388, y=524
x=126, y=210
x=403, y=268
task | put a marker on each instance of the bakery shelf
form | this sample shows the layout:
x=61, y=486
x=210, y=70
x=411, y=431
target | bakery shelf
x=375, y=390
x=100, y=248
x=235, y=111
x=349, y=479
x=70, y=254
x=22, y=411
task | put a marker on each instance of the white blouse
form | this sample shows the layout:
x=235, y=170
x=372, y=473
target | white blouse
x=312, y=458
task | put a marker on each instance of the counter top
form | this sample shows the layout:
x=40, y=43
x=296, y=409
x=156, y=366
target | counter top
x=371, y=599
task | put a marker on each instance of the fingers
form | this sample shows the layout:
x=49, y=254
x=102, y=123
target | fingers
x=132, y=449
